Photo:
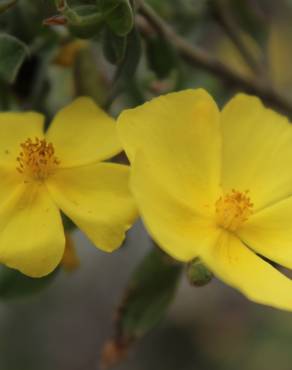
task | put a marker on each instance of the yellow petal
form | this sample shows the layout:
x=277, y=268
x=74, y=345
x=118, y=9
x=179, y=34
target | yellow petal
x=269, y=232
x=96, y=197
x=179, y=135
x=257, y=151
x=15, y=128
x=175, y=227
x=31, y=232
x=82, y=133
x=10, y=180
x=239, y=267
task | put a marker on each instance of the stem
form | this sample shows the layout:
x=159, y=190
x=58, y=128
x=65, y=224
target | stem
x=225, y=18
x=199, y=58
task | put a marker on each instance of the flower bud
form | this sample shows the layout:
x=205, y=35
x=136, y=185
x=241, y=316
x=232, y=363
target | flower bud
x=198, y=274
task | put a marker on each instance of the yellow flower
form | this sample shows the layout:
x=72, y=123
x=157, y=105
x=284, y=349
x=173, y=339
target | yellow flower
x=41, y=173
x=216, y=185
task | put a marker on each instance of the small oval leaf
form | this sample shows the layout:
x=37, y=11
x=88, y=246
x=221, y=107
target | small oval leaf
x=84, y=21
x=12, y=54
x=114, y=47
x=146, y=300
x=121, y=19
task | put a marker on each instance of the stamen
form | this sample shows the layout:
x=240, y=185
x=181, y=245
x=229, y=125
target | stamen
x=37, y=159
x=233, y=209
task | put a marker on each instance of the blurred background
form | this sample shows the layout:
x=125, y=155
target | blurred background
x=47, y=58
x=66, y=325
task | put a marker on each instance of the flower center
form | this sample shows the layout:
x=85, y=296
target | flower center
x=233, y=209
x=37, y=159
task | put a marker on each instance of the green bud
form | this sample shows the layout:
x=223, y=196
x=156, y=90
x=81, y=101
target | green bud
x=198, y=274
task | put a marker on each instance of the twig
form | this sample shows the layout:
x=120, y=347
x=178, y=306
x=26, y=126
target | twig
x=226, y=20
x=199, y=58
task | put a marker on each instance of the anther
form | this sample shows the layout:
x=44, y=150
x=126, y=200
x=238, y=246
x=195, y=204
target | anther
x=233, y=209
x=37, y=159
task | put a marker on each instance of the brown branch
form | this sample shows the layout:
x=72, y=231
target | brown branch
x=200, y=59
x=225, y=18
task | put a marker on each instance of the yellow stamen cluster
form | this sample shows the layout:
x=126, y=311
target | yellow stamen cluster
x=37, y=159
x=233, y=209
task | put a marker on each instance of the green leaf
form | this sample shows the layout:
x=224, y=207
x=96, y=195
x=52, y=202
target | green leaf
x=84, y=21
x=150, y=292
x=126, y=70
x=6, y=4
x=161, y=56
x=146, y=300
x=114, y=47
x=121, y=19
x=107, y=6
x=132, y=57
x=14, y=284
x=12, y=54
